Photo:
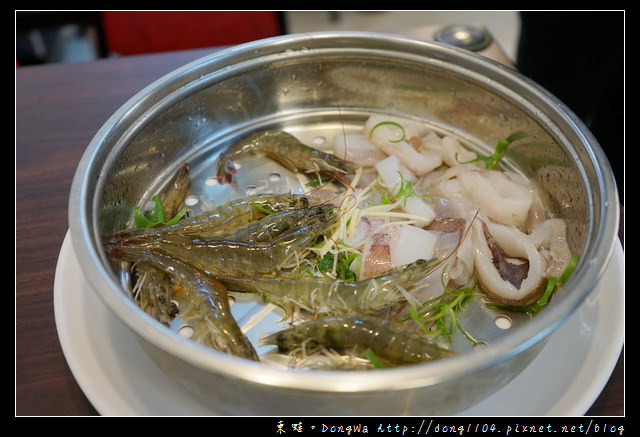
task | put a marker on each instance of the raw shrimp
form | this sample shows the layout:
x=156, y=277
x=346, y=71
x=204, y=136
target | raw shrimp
x=258, y=248
x=322, y=296
x=391, y=342
x=152, y=289
x=285, y=149
x=227, y=217
x=205, y=297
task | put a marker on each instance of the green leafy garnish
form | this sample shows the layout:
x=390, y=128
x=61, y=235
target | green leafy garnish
x=155, y=216
x=372, y=357
x=439, y=316
x=392, y=123
x=261, y=208
x=318, y=182
x=566, y=273
x=300, y=271
x=342, y=265
x=404, y=191
x=491, y=161
x=543, y=300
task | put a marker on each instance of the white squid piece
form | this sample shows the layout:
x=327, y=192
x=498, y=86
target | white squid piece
x=551, y=239
x=357, y=148
x=394, y=246
x=451, y=200
x=516, y=244
x=449, y=148
x=498, y=195
x=391, y=172
x=394, y=140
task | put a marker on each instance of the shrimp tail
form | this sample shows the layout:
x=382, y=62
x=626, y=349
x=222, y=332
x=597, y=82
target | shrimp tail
x=176, y=191
x=225, y=171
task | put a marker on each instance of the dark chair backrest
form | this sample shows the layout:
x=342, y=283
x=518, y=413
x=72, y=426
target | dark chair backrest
x=139, y=32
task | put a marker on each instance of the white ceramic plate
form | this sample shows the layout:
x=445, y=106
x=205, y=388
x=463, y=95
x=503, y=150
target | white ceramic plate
x=119, y=379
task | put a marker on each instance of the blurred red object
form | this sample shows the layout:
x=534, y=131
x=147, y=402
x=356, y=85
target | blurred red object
x=138, y=32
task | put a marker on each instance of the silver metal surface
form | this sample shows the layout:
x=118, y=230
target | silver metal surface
x=316, y=86
x=465, y=36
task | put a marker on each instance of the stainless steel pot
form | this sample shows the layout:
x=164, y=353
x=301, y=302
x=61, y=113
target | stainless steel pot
x=330, y=82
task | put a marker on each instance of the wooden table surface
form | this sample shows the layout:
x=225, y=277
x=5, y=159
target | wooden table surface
x=59, y=108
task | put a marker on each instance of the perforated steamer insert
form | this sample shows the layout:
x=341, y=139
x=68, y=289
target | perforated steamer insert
x=257, y=174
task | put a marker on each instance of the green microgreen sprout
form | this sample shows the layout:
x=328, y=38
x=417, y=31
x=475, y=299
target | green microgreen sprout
x=156, y=215
x=318, y=182
x=338, y=264
x=261, y=208
x=392, y=123
x=373, y=359
x=552, y=284
x=491, y=161
x=405, y=190
x=439, y=316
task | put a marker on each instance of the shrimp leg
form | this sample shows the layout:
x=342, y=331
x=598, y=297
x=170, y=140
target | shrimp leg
x=153, y=292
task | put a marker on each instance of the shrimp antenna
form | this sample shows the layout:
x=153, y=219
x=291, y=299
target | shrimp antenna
x=332, y=87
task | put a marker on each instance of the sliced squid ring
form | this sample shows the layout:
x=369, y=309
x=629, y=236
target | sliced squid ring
x=521, y=285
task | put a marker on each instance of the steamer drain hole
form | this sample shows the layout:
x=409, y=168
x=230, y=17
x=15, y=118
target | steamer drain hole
x=503, y=322
x=191, y=200
x=211, y=181
x=175, y=303
x=319, y=140
x=274, y=177
x=186, y=331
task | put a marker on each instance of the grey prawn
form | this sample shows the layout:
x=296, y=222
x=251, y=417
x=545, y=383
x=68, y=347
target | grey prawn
x=285, y=149
x=257, y=248
x=391, y=342
x=320, y=295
